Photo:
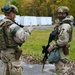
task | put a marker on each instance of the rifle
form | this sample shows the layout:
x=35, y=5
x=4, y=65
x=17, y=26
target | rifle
x=44, y=51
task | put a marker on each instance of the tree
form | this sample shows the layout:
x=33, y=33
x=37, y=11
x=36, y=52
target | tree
x=42, y=7
x=16, y=3
x=2, y=3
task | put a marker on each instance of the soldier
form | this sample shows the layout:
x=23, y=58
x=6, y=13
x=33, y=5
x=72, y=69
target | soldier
x=63, y=36
x=12, y=36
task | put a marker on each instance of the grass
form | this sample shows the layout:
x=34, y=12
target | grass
x=72, y=48
x=38, y=38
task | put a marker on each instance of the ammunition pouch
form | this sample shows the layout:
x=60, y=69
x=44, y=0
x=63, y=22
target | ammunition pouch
x=18, y=53
x=66, y=49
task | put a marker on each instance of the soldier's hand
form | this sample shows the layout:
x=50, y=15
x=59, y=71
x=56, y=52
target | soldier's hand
x=30, y=28
x=49, y=49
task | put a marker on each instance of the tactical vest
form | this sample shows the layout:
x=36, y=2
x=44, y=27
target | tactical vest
x=2, y=39
x=6, y=38
x=71, y=31
x=57, y=31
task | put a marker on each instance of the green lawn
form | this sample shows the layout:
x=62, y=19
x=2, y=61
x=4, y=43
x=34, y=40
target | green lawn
x=38, y=38
x=72, y=47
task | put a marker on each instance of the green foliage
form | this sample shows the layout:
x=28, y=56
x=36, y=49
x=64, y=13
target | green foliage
x=40, y=7
x=2, y=3
x=17, y=5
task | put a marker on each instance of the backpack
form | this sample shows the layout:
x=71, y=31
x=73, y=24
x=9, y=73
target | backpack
x=2, y=38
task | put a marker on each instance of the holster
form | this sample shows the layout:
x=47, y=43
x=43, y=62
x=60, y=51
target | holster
x=18, y=53
x=66, y=49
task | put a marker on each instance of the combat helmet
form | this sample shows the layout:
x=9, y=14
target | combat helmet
x=62, y=9
x=9, y=8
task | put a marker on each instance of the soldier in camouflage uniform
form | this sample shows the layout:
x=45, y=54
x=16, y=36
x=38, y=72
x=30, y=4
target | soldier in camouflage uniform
x=14, y=36
x=64, y=35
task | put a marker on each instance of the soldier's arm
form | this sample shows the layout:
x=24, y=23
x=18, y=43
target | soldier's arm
x=20, y=34
x=63, y=38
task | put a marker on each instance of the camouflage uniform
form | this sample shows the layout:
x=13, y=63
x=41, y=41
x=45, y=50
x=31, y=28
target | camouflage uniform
x=64, y=36
x=14, y=35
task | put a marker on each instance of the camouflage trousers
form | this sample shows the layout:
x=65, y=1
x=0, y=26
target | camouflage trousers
x=67, y=68
x=59, y=68
x=10, y=66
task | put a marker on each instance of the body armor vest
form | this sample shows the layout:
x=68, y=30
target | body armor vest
x=56, y=30
x=6, y=38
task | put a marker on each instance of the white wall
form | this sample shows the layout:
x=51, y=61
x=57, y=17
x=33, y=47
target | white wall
x=2, y=17
x=44, y=20
x=28, y=20
x=31, y=20
x=17, y=19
